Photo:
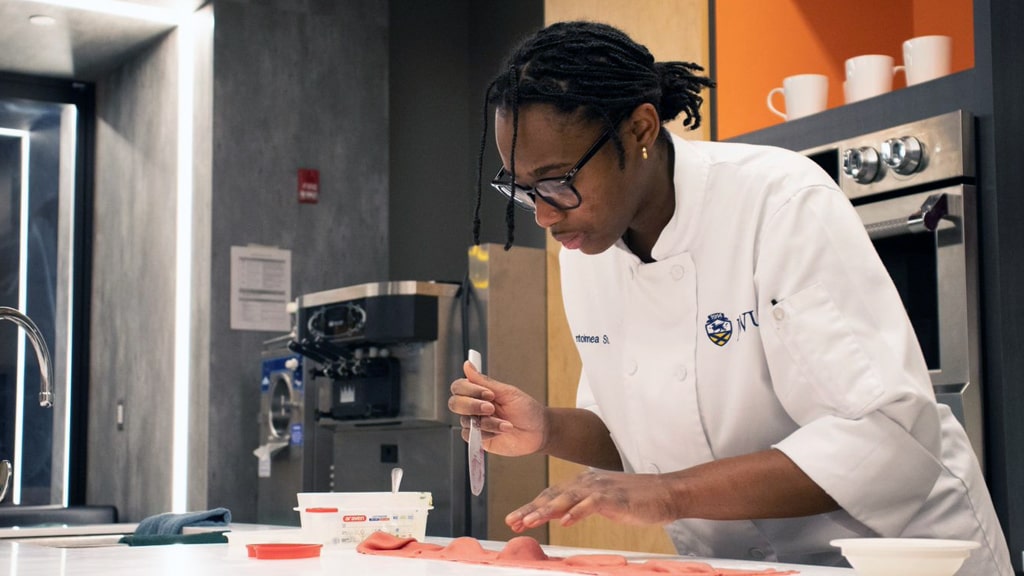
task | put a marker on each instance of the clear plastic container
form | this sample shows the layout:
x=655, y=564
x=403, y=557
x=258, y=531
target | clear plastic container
x=322, y=525
x=402, y=514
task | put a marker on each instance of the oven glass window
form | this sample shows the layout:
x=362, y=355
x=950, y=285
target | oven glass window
x=910, y=260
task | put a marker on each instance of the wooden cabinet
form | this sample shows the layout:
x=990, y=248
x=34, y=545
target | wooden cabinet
x=672, y=30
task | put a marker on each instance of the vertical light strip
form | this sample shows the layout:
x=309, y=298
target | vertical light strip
x=71, y=116
x=19, y=402
x=183, y=275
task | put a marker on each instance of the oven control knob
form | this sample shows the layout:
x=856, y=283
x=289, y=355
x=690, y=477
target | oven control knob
x=861, y=164
x=903, y=155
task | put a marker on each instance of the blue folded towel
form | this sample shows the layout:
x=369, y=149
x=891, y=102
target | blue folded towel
x=170, y=523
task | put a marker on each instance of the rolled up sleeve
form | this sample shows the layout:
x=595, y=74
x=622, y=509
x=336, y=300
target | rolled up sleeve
x=872, y=467
x=845, y=363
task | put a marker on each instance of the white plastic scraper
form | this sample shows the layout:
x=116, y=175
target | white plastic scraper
x=476, y=448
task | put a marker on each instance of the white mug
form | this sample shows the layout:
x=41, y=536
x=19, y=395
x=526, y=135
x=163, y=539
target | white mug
x=868, y=76
x=804, y=94
x=927, y=58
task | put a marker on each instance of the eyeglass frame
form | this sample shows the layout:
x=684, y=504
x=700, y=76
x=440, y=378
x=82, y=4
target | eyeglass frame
x=565, y=180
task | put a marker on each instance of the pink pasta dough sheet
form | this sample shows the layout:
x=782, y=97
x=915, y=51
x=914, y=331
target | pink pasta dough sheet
x=525, y=552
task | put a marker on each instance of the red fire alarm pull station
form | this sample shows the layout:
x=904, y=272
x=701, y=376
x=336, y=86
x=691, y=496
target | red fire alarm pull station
x=309, y=186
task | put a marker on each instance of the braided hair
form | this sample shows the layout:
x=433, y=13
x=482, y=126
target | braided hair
x=594, y=70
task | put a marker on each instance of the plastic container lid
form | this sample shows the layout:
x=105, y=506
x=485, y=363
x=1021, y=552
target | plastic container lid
x=283, y=551
x=322, y=510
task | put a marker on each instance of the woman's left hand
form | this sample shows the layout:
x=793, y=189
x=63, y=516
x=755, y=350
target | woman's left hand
x=764, y=484
x=621, y=497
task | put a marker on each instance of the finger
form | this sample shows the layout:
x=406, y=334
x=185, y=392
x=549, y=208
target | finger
x=471, y=371
x=542, y=516
x=536, y=512
x=586, y=507
x=488, y=425
x=493, y=426
x=572, y=502
x=514, y=519
x=479, y=378
x=466, y=406
x=463, y=387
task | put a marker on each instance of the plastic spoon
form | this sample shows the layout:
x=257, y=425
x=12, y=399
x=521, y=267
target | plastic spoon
x=396, y=479
x=476, y=449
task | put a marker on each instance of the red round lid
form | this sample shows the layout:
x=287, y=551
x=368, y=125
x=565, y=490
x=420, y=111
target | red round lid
x=283, y=551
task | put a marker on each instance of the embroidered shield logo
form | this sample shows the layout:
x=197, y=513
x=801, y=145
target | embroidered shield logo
x=719, y=329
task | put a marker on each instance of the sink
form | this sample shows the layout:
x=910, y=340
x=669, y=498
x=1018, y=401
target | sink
x=64, y=536
x=39, y=515
x=74, y=541
x=62, y=527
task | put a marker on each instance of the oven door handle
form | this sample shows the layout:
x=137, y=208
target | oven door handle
x=925, y=219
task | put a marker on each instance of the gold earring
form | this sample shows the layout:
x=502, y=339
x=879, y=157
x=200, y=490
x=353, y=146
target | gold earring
x=644, y=151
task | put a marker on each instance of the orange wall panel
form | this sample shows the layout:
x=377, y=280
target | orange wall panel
x=760, y=42
x=953, y=18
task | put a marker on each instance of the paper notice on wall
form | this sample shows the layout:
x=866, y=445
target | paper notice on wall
x=261, y=288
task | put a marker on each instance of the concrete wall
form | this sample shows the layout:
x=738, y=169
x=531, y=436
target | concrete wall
x=443, y=54
x=132, y=317
x=294, y=85
x=383, y=98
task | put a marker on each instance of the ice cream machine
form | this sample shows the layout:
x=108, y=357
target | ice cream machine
x=361, y=386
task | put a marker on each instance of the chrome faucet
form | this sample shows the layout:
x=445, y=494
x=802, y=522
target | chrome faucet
x=45, y=375
x=42, y=352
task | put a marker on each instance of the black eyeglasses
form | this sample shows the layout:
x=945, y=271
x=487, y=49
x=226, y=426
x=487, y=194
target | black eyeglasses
x=558, y=191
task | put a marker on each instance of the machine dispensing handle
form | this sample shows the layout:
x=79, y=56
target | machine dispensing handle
x=320, y=351
x=303, y=348
x=327, y=349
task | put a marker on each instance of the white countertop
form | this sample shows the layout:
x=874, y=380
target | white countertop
x=23, y=558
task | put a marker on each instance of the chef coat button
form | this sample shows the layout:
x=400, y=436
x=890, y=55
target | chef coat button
x=680, y=372
x=631, y=367
x=678, y=272
x=757, y=553
x=779, y=314
x=653, y=469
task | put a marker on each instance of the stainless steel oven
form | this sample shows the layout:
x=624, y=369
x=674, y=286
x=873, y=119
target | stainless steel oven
x=913, y=186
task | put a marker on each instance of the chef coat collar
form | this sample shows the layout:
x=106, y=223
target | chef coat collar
x=690, y=178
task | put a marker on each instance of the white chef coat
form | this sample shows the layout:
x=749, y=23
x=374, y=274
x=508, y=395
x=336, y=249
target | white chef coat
x=768, y=320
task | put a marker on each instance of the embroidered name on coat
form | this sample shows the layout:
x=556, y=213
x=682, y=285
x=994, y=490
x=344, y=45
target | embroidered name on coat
x=588, y=339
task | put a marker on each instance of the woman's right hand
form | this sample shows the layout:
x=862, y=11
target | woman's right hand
x=512, y=423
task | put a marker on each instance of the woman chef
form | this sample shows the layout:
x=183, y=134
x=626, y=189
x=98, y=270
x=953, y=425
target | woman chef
x=750, y=378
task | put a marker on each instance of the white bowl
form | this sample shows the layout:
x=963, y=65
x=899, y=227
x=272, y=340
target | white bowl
x=905, y=556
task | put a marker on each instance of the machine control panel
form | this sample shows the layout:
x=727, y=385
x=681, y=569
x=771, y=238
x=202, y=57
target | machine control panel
x=348, y=342
x=376, y=319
